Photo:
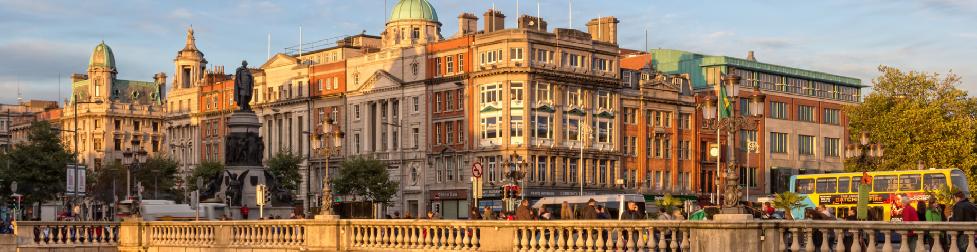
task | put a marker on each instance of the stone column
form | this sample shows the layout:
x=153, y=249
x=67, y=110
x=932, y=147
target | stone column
x=131, y=235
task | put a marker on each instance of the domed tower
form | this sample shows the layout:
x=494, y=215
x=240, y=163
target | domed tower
x=412, y=22
x=101, y=71
x=189, y=63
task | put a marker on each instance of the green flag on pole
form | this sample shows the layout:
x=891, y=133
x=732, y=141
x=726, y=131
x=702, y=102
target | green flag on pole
x=725, y=106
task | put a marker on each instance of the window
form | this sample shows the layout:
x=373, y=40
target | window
x=437, y=101
x=603, y=131
x=601, y=64
x=831, y=147
x=573, y=96
x=543, y=92
x=910, y=182
x=804, y=186
x=684, y=150
x=805, y=145
x=135, y=125
x=515, y=126
x=356, y=112
x=437, y=66
x=603, y=99
x=155, y=126
x=543, y=123
x=831, y=116
x=335, y=82
x=417, y=103
x=97, y=124
x=515, y=91
x=118, y=124
x=461, y=62
x=631, y=146
x=805, y=113
x=626, y=78
x=491, y=93
x=629, y=115
x=415, y=33
x=778, y=142
x=449, y=132
x=932, y=181
x=843, y=185
x=356, y=142
x=490, y=168
x=827, y=185
x=449, y=64
x=515, y=53
x=885, y=183
x=490, y=127
x=448, y=104
x=98, y=146
x=746, y=136
x=572, y=126
x=684, y=121
x=118, y=144
x=778, y=110
x=416, y=136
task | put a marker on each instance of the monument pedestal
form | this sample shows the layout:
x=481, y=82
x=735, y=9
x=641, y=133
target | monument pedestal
x=243, y=154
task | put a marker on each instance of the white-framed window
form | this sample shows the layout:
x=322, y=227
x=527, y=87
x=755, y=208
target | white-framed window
x=778, y=110
x=515, y=91
x=515, y=125
x=573, y=96
x=626, y=78
x=544, y=126
x=603, y=131
x=437, y=101
x=490, y=127
x=449, y=64
x=416, y=103
x=603, y=99
x=335, y=82
x=437, y=66
x=448, y=104
x=543, y=92
x=491, y=93
x=319, y=85
x=461, y=62
x=449, y=132
x=416, y=135
x=356, y=112
x=572, y=126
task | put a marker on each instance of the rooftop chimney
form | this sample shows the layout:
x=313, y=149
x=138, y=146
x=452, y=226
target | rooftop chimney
x=749, y=56
x=467, y=23
x=532, y=23
x=603, y=29
x=494, y=20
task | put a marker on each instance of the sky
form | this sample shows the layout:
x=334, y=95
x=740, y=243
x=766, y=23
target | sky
x=41, y=40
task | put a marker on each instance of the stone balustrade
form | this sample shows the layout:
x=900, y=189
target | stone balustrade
x=458, y=235
x=44, y=234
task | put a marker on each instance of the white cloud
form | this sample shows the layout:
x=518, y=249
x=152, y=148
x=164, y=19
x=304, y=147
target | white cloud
x=968, y=35
x=181, y=13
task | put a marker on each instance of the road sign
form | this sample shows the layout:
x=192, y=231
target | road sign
x=477, y=170
x=260, y=194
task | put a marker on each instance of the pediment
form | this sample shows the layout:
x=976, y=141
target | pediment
x=380, y=79
x=279, y=60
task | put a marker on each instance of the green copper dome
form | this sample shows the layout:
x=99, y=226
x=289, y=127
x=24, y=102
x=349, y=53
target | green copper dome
x=413, y=9
x=102, y=56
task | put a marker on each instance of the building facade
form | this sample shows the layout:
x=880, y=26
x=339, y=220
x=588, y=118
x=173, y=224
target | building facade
x=803, y=128
x=112, y=115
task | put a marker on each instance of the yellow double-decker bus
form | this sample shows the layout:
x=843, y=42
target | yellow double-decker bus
x=839, y=191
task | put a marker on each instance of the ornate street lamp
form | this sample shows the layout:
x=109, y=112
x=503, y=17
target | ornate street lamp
x=732, y=124
x=333, y=138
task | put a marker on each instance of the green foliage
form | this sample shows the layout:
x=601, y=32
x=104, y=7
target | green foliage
x=158, y=176
x=917, y=117
x=37, y=165
x=667, y=203
x=944, y=196
x=109, y=183
x=861, y=207
x=284, y=166
x=788, y=201
x=367, y=178
x=208, y=170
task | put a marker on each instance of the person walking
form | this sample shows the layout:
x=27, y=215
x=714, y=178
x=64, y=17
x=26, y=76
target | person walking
x=963, y=211
x=934, y=213
x=566, y=212
x=488, y=214
x=589, y=211
x=602, y=213
x=909, y=215
x=473, y=213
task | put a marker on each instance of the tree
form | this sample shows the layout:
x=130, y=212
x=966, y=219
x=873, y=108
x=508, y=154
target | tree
x=667, y=203
x=158, y=176
x=37, y=165
x=284, y=167
x=366, y=178
x=788, y=201
x=944, y=196
x=109, y=183
x=208, y=170
x=918, y=118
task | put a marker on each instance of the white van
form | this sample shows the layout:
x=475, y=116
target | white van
x=614, y=204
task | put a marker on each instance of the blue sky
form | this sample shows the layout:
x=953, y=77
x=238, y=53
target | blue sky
x=40, y=39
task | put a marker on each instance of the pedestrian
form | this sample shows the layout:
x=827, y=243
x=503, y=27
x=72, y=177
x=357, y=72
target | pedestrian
x=666, y=214
x=545, y=214
x=602, y=214
x=963, y=211
x=431, y=216
x=473, y=213
x=523, y=212
x=566, y=212
x=396, y=214
x=488, y=214
x=934, y=213
x=909, y=215
x=408, y=216
x=768, y=209
x=589, y=211
x=244, y=212
x=633, y=212
x=677, y=214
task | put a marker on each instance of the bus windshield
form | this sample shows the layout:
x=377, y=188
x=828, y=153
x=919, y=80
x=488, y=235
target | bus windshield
x=959, y=181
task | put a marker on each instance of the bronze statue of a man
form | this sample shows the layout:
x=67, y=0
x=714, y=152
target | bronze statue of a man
x=243, y=84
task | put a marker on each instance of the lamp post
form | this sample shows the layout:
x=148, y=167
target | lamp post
x=132, y=163
x=183, y=168
x=333, y=138
x=74, y=111
x=731, y=125
x=583, y=131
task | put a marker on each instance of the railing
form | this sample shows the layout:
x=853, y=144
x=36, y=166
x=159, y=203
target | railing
x=459, y=235
x=67, y=234
x=872, y=236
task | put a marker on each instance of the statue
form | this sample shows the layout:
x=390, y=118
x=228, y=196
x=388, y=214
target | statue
x=243, y=84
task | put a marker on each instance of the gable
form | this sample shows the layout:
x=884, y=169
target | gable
x=279, y=60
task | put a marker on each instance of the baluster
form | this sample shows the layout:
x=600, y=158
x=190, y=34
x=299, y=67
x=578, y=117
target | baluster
x=920, y=244
x=686, y=239
x=579, y=244
x=673, y=244
x=442, y=236
x=599, y=245
x=466, y=240
x=970, y=246
x=839, y=239
x=554, y=239
x=871, y=246
x=856, y=244
x=904, y=242
x=589, y=239
x=532, y=238
x=398, y=238
x=453, y=238
x=523, y=240
x=476, y=236
x=887, y=246
x=429, y=237
x=619, y=242
x=409, y=237
x=641, y=237
x=953, y=240
x=386, y=236
x=795, y=237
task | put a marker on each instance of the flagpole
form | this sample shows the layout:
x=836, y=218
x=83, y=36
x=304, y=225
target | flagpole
x=719, y=145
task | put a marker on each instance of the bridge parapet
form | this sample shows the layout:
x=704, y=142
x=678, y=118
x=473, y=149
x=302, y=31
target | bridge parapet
x=461, y=235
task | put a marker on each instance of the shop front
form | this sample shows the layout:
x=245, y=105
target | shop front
x=449, y=204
